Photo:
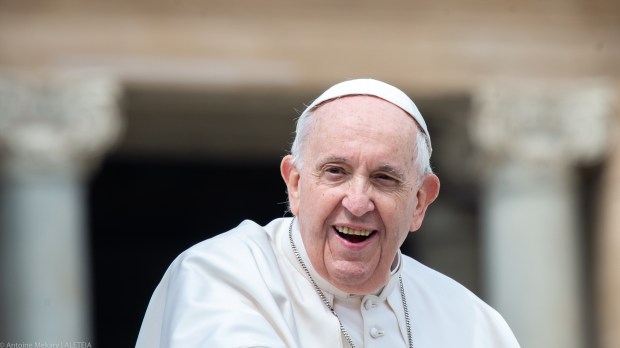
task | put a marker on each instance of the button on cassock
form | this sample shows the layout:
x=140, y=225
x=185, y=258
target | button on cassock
x=369, y=304
x=376, y=333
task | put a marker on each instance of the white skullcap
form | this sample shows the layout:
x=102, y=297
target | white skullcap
x=374, y=88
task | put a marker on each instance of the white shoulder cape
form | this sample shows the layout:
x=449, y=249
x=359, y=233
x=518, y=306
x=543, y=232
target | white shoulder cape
x=243, y=289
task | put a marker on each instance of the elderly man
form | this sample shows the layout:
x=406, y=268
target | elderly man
x=358, y=180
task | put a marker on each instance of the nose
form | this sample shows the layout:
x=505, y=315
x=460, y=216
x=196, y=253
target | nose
x=357, y=199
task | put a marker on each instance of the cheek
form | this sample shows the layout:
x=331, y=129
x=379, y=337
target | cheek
x=398, y=214
x=309, y=199
x=317, y=194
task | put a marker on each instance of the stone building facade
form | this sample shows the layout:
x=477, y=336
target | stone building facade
x=521, y=99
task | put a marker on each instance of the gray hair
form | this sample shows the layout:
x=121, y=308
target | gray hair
x=423, y=149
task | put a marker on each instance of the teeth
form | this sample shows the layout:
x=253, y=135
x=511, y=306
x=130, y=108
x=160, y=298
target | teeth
x=347, y=230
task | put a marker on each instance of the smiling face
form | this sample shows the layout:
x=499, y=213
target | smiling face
x=358, y=193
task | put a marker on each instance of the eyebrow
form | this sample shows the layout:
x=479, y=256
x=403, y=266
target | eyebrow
x=335, y=159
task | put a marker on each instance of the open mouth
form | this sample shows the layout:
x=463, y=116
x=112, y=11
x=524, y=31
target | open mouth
x=353, y=235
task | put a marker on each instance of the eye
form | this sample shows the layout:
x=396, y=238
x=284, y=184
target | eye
x=334, y=170
x=385, y=180
x=384, y=177
x=334, y=173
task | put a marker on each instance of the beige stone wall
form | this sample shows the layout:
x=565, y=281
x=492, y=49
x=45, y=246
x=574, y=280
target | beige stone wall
x=430, y=46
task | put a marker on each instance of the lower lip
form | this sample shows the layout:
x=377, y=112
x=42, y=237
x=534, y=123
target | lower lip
x=356, y=246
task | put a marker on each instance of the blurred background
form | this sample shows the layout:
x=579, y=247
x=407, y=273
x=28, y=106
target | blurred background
x=131, y=130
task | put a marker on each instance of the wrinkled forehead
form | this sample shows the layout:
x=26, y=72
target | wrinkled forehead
x=374, y=88
x=362, y=125
x=348, y=112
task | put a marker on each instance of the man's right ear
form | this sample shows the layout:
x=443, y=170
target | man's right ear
x=290, y=174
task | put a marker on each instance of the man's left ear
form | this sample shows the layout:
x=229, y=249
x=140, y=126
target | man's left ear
x=427, y=193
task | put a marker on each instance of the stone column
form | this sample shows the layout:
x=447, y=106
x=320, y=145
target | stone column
x=531, y=137
x=607, y=255
x=52, y=131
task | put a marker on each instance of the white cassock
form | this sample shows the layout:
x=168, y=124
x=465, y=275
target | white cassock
x=245, y=288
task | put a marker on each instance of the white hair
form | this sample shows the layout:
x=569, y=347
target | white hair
x=423, y=149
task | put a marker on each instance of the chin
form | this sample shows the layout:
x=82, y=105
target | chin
x=356, y=280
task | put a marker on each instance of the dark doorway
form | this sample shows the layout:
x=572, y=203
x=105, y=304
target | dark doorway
x=144, y=212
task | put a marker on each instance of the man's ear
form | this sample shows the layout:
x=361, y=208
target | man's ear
x=290, y=174
x=427, y=193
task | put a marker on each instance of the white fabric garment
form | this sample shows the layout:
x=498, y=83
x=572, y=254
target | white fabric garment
x=245, y=288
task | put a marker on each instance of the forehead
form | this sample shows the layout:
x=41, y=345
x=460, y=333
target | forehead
x=362, y=125
x=365, y=112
